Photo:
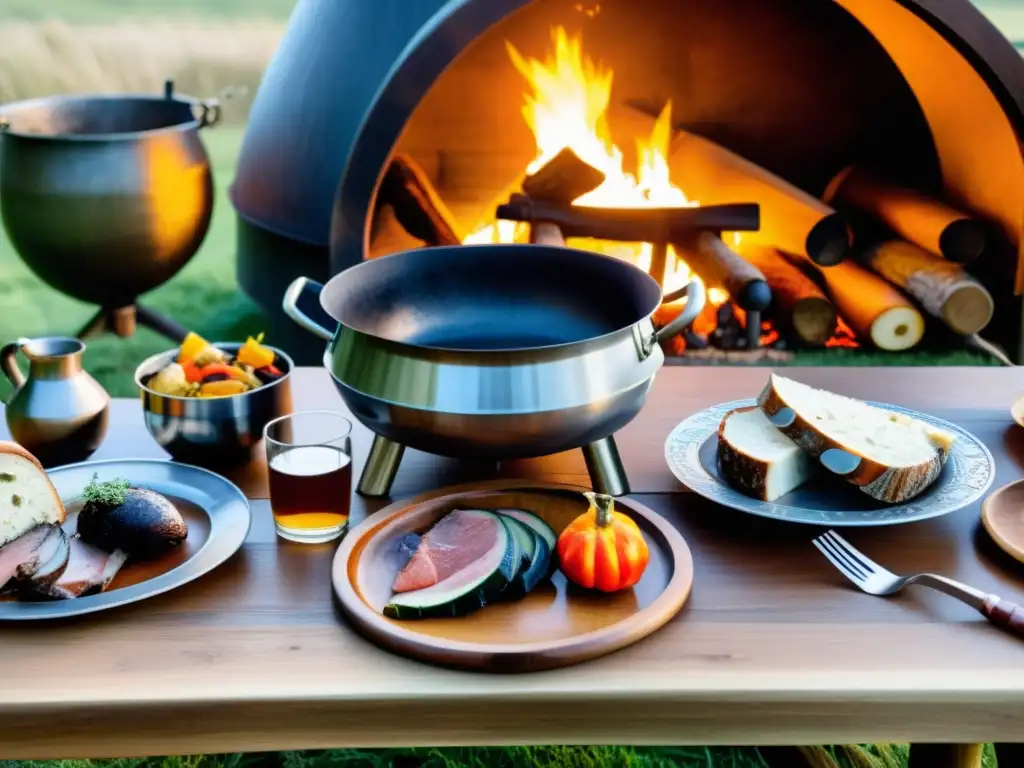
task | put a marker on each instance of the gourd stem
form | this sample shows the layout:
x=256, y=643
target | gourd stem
x=603, y=505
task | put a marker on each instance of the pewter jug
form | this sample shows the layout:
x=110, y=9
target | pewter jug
x=58, y=412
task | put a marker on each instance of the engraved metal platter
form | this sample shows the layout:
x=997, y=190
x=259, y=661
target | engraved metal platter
x=216, y=511
x=691, y=451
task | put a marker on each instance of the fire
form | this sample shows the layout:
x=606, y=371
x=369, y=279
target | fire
x=566, y=105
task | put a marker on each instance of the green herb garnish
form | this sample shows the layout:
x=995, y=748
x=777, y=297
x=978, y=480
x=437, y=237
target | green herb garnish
x=110, y=493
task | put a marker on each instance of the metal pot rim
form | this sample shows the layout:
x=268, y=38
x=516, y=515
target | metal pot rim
x=473, y=251
x=152, y=360
x=6, y=129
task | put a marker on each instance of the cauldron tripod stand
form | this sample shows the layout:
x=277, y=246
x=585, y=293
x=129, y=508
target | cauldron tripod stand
x=107, y=197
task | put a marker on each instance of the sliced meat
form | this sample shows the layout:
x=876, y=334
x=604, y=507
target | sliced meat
x=455, y=541
x=21, y=558
x=52, y=569
x=89, y=570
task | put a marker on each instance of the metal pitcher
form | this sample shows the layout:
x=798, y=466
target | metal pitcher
x=58, y=412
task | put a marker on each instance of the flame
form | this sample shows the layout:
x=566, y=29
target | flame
x=843, y=336
x=566, y=105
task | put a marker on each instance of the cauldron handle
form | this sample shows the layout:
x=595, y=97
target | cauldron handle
x=209, y=112
x=695, y=299
x=292, y=299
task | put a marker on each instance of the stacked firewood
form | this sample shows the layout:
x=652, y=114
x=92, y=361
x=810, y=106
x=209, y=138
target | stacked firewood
x=863, y=265
x=872, y=256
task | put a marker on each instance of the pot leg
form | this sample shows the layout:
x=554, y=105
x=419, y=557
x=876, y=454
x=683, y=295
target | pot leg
x=161, y=324
x=381, y=467
x=607, y=475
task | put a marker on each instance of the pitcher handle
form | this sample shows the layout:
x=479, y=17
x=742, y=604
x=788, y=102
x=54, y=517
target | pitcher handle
x=9, y=362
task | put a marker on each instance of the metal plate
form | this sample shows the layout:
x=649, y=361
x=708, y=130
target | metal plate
x=223, y=503
x=691, y=453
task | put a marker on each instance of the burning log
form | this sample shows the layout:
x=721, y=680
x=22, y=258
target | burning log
x=416, y=205
x=563, y=179
x=873, y=308
x=718, y=265
x=798, y=304
x=942, y=288
x=791, y=219
x=914, y=216
x=546, y=233
x=632, y=225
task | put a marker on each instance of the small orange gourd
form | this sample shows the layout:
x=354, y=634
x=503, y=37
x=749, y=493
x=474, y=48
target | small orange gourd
x=602, y=549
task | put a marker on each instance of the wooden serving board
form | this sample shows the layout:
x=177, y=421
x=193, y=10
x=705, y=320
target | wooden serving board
x=556, y=625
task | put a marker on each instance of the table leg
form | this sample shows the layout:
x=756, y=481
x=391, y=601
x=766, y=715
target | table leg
x=945, y=756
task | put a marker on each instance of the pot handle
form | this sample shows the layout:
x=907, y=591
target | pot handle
x=695, y=300
x=9, y=363
x=305, y=291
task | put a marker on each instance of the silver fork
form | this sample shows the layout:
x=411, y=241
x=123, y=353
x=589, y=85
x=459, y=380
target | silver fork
x=872, y=578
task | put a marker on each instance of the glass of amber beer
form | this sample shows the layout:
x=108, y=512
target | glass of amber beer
x=309, y=457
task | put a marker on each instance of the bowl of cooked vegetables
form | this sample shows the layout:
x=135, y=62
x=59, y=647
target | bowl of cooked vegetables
x=206, y=403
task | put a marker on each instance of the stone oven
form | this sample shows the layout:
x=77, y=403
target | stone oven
x=887, y=132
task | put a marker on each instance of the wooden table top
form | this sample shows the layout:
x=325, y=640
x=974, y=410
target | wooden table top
x=772, y=648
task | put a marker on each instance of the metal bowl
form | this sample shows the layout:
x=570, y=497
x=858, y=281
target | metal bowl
x=215, y=432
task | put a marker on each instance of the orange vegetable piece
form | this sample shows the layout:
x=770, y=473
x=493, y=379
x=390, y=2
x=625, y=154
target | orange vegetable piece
x=191, y=347
x=255, y=354
x=603, y=549
x=192, y=371
x=223, y=388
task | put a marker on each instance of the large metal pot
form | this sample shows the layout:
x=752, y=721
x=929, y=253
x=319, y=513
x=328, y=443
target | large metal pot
x=490, y=351
x=106, y=197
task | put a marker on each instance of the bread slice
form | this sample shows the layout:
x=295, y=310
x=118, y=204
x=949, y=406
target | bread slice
x=27, y=497
x=757, y=459
x=889, y=456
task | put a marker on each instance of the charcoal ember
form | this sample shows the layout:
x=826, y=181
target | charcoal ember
x=724, y=338
x=724, y=315
x=741, y=342
x=694, y=340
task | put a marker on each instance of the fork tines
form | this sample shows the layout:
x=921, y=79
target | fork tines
x=844, y=556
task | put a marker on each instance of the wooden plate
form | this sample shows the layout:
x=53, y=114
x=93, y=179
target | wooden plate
x=556, y=625
x=691, y=452
x=1017, y=410
x=216, y=511
x=1002, y=514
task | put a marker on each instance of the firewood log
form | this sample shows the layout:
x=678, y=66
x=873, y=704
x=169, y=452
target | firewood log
x=941, y=287
x=718, y=265
x=791, y=219
x=798, y=304
x=914, y=216
x=545, y=233
x=563, y=179
x=873, y=308
x=632, y=225
x=416, y=204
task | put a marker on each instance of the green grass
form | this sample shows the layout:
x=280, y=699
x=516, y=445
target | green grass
x=100, y=11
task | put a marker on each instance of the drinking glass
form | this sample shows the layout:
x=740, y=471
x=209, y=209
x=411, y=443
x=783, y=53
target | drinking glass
x=309, y=457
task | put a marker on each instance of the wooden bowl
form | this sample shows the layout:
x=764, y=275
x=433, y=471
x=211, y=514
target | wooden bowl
x=556, y=625
x=1017, y=410
x=1002, y=514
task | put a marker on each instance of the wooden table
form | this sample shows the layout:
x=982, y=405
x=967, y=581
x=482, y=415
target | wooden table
x=773, y=647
